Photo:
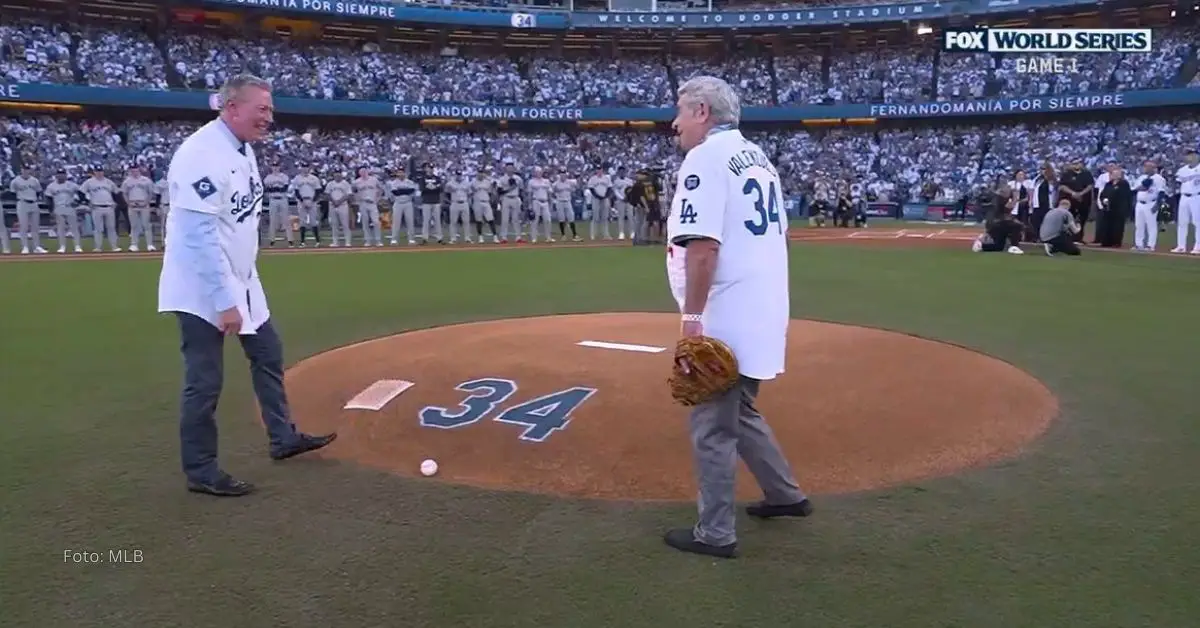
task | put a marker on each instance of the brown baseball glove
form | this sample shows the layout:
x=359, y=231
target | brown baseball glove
x=704, y=368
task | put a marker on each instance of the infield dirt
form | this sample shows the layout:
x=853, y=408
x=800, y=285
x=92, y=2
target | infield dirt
x=857, y=409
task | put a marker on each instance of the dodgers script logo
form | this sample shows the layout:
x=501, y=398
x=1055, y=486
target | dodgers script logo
x=246, y=205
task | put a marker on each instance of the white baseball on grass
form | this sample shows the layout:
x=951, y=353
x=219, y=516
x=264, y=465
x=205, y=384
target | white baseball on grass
x=428, y=468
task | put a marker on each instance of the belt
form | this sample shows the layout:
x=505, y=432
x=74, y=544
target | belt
x=104, y=206
x=1192, y=194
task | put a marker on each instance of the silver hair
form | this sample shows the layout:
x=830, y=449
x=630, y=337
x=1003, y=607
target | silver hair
x=235, y=84
x=723, y=103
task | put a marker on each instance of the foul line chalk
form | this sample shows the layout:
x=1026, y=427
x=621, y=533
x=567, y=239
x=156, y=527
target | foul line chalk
x=597, y=344
x=378, y=395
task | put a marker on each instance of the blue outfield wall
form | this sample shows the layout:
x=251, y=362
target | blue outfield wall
x=396, y=11
x=119, y=97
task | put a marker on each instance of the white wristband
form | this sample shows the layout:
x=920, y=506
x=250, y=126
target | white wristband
x=693, y=318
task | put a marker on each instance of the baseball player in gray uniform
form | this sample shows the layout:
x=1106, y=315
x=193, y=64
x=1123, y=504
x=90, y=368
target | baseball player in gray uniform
x=28, y=190
x=366, y=195
x=564, y=213
x=481, y=204
x=164, y=204
x=305, y=186
x=63, y=192
x=600, y=193
x=621, y=187
x=338, y=192
x=100, y=191
x=138, y=191
x=275, y=186
x=509, y=185
x=404, y=197
x=539, y=199
x=5, y=244
x=459, y=190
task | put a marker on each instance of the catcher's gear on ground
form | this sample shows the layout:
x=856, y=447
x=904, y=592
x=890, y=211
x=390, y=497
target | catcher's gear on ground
x=704, y=368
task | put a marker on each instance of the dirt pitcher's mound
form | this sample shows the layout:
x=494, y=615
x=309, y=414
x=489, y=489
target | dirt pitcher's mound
x=521, y=404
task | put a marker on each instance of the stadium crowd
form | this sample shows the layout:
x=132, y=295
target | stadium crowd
x=930, y=162
x=125, y=56
x=922, y=162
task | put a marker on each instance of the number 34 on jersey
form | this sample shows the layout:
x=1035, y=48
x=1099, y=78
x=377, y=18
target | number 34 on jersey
x=763, y=208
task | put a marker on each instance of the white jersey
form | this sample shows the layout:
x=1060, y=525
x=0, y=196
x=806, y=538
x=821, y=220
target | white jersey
x=728, y=190
x=212, y=173
x=1158, y=183
x=1189, y=179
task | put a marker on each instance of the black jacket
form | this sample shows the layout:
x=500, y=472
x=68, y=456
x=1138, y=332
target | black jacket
x=1117, y=196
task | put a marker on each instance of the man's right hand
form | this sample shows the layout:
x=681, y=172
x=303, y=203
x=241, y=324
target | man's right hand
x=230, y=321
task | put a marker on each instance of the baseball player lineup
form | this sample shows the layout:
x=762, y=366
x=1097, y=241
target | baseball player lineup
x=427, y=207
x=471, y=208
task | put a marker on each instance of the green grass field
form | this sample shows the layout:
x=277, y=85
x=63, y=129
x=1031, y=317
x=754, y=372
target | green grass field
x=1095, y=526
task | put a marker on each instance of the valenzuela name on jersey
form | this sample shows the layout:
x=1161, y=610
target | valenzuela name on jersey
x=747, y=159
x=1049, y=40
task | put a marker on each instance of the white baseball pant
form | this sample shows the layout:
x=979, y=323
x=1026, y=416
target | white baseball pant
x=1188, y=215
x=1145, y=225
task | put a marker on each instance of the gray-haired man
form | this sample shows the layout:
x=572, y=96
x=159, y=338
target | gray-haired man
x=729, y=201
x=210, y=282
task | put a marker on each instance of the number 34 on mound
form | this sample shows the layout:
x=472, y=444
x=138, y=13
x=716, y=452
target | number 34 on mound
x=540, y=417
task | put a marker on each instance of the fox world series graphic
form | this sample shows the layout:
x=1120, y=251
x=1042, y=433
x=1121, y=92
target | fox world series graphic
x=1049, y=40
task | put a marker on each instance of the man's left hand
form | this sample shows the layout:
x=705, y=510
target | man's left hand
x=691, y=329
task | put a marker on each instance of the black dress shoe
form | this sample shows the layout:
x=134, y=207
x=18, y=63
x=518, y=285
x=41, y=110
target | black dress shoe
x=684, y=540
x=304, y=443
x=224, y=486
x=763, y=510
